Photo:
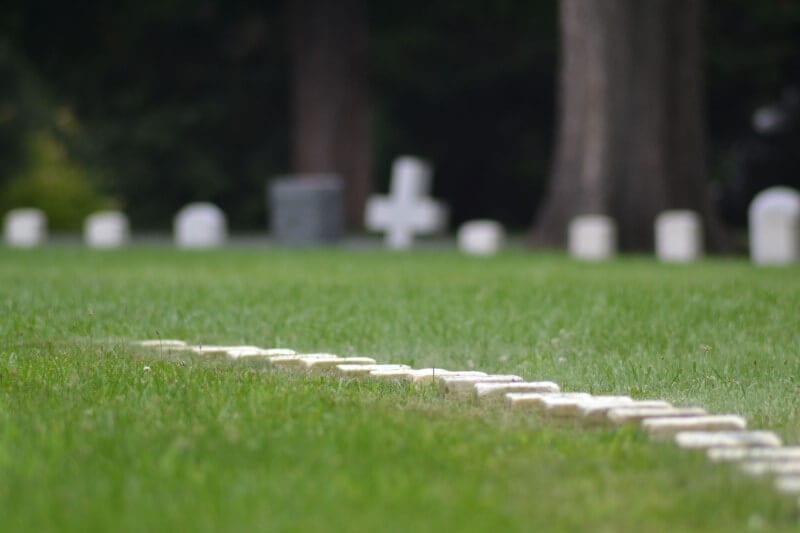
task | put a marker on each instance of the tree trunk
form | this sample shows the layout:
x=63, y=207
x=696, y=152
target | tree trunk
x=631, y=138
x=329, y=95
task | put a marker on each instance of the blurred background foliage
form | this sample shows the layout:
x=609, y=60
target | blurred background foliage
x=147, y=105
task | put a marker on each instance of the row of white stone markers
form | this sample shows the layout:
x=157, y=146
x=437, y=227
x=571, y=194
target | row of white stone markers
x=723, y=437
x=408, y=210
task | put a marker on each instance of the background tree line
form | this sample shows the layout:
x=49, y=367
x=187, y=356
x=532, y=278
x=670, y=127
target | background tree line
x=149, y=105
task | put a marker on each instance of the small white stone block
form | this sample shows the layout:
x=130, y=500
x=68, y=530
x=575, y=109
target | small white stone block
x=666, y=428
x=166, y=343
x=568, y=407
x=354, y=370
x=427, y=375
x=679, y=236
x=211, y=349
x=787, y=453
x=106, y=229
x=597, y=413
x=330, y=363
x=495, y=392
x=200, y=225
x=481, y=237
x=592, y=237
x=788, y=484
x=774, y=217
x=407, y=210
x=296, y=360
x=763, y=468
x=236, y=353
x=402, y=374
x=465, y=385
x=634, y=414
x=25, y=227
x=534, y=401
x=711, y=439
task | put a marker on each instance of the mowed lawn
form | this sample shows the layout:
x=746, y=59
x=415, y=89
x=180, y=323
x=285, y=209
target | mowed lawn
x=91, y=441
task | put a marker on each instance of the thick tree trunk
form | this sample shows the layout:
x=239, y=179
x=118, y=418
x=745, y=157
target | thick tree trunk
x=329, y=95
x=631, y=134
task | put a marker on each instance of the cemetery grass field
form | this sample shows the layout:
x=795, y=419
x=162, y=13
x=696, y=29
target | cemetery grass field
x=89, y=440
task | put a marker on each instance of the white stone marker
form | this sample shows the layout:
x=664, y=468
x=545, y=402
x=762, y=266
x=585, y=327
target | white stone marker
x=25, y=227
x=106, y=229
x=788, y=484
x=710, y=439
x=568, y=407
x=774, y=217
x=407, y=209
x=211, y=349
x=634, y=414
x=667, y=427
x=463, y=386
x=296, y=360
x=787, y=453
x=427, y=375
x=592, y=237
x=763, y=468
x=494, y=393
x=238, y=352
x=481, y=237
x=679, y=236
x=200, y=225
x=322, y=364
x=351, y=370
x=534, y=401
x=597, y=413
x=165, y=343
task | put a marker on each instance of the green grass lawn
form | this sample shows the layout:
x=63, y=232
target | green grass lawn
x=89, y=441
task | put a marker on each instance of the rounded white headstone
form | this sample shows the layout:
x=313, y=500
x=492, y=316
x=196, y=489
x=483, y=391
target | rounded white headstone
x=481, y=237
x=25, y=227
x=200, y=225
x=106, y=229
x=679, y=236
x=592, y=237
x=774, y=217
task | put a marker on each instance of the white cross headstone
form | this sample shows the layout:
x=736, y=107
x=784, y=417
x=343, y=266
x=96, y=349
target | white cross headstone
x=679, y=236
x=592, y=237
x=25, y=227
x=200, y=225
x=774, y=217
x=481, y=237
x=408, y=209
x=106, y=229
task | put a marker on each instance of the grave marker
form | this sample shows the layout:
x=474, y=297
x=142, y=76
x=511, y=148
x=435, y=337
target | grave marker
x=25, y=227
x=307, y=209
x=711, y=439
x=407, y=210
x=634, y=414
x=597, y=413
x=569, y=407
x=464, y=385
x=534, y=401
x=200, y=225
x=774, y=217
x=355, y=370
x=788, y=453
x=495, y=392
x=667, y=427
x=592, y=237
x=481, y=237
x=679, y=236
x=106, y=229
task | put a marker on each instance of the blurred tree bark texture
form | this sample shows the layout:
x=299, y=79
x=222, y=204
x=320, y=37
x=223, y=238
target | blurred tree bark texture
x=329, y=95
x=631, y=133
